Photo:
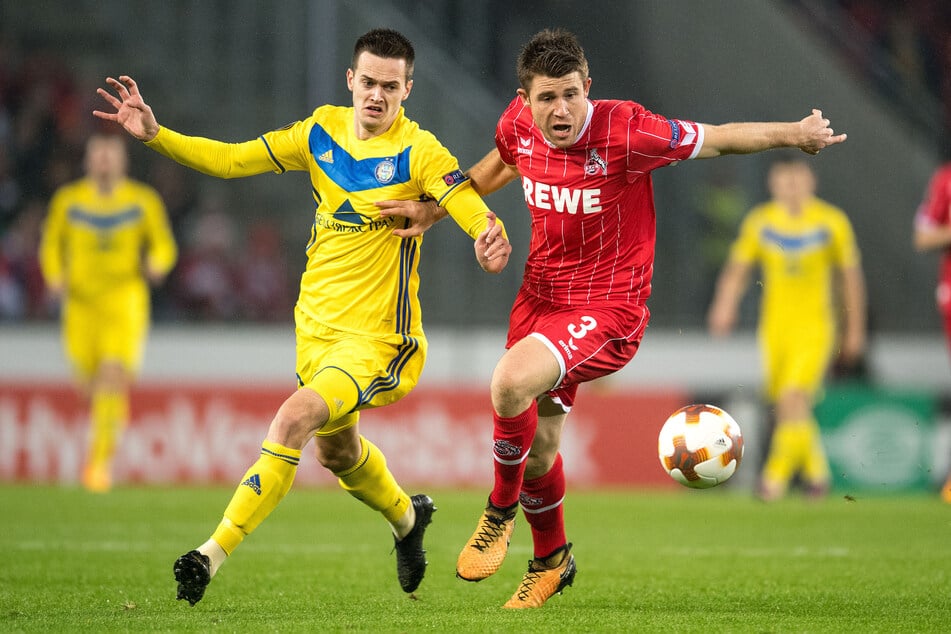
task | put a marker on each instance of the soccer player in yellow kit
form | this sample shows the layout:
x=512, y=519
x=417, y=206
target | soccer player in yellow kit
x=802, y=244
x=360, y=342
x=104, y=239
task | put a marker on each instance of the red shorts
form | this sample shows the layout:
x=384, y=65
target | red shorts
x=943, y=299
x=588, y=341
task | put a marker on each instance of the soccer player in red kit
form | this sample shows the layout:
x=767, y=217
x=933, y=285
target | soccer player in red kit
x=933, y=231
x=581, y=311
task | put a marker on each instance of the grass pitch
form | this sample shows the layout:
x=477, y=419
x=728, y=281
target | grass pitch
x=688, y=561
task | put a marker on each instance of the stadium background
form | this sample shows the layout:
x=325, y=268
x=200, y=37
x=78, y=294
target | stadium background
x=219, y=363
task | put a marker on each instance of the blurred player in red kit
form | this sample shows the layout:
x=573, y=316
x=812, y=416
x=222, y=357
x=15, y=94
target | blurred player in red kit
x=933, y=232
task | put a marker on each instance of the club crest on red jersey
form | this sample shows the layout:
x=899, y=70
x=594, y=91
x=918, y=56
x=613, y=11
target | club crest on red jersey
x=595, y=164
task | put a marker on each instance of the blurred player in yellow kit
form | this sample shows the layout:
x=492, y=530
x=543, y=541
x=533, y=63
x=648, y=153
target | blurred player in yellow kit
x=806, y=250
x=360, y=342
x=105, y=238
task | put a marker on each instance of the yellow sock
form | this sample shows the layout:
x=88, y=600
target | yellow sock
x=109, y=412
x=787, y=451
x=815, y=467
x=372, y=483
x=263, y=486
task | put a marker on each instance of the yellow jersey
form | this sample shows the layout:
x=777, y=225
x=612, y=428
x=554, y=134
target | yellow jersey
x=798, y=255
x=359, y=277
x=95, y=243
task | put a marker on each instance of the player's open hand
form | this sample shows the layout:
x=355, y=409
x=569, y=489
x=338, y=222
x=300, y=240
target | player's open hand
x=492, y=249
x=817, y=134
x=421, y=215
x=131, y=111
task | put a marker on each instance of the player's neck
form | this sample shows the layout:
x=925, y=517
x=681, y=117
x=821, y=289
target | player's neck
x=364, y=134
x=105, y=185
x=793, y=207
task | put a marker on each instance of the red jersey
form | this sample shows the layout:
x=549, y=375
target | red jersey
x=592, y=204
x=935, y=211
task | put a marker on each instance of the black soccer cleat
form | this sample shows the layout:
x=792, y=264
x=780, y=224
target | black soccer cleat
x=410, y=555
x=193, y=574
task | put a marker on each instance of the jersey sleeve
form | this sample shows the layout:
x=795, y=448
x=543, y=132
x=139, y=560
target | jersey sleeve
x=935, y=209
x=289, y=146
x=746, y=247
x=439, y=177
x=655, y=141
x=468, y=211
x=846, y=254
x=51, y=240
x=434, y=169
x=215, y=158
x=162, y=251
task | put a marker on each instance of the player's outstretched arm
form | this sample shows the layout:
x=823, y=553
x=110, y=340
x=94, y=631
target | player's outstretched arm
x=421, y=215
x=491, y=173
x=811, y=134
x=131, y=111
x=492, y=248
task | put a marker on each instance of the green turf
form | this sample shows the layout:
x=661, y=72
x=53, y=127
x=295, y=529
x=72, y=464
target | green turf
x=704, y=561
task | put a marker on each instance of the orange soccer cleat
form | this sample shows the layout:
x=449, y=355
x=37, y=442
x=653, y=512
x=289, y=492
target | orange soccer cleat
x=485, y=551
x=543, y=581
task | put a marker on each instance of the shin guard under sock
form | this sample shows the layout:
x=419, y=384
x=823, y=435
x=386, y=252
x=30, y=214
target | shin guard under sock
x=542, y=502
x=371, y=482
x=263, y=486
x=511, y=441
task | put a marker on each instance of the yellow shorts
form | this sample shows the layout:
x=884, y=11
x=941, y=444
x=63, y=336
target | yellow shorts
x=795, y=359
x=111, y=327
x=353, y=372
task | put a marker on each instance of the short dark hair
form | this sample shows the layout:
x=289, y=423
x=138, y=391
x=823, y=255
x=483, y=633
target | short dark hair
x=552, y=53
x=386, y=43
x=789, y=158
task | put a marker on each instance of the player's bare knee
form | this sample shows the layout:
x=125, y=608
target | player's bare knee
x=539, y=463
x=112, y=377
x=295, y=422
x=510, y=396
x=334, y=460
x=337, y=453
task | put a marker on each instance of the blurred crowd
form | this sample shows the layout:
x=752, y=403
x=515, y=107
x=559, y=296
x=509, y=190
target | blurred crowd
x=228, y=269
x=234, y=269
x=906, y=44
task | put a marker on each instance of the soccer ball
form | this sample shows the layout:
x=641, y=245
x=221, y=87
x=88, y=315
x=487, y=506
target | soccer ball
x=700, y=446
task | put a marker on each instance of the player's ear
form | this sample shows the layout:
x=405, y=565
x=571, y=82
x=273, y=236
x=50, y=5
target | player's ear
x=409, y=87
x=587, y=86
x=524, y=95
x=350, y=79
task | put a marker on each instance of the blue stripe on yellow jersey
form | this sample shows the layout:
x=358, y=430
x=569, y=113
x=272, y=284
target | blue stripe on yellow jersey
x=354, y=174
x=95, y=220
x=797, y=243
